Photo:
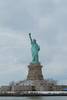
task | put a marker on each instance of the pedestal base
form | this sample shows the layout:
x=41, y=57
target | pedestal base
x=35, y=72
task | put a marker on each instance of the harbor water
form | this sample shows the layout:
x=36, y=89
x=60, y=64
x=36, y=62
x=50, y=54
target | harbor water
x=35, y=98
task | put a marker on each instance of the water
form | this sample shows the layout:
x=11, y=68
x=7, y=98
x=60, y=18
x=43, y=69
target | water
x=35, y=98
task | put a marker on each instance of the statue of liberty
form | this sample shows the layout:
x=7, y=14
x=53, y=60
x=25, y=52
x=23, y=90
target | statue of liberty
x=35, y=49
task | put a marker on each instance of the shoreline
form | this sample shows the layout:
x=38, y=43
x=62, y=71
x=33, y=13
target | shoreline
x=35, y=93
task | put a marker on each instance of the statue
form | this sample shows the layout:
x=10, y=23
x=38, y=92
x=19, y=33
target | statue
x=35, y=49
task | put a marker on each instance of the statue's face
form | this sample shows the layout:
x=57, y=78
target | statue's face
x=34, y=40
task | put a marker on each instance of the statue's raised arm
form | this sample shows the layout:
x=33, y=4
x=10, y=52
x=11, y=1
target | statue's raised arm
x=30, y=37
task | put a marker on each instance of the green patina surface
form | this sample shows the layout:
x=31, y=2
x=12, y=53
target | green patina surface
x=35, y=48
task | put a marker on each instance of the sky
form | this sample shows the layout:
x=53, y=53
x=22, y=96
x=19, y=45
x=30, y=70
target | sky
x=47, y=21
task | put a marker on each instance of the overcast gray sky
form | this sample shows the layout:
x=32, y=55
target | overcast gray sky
x=47, y=21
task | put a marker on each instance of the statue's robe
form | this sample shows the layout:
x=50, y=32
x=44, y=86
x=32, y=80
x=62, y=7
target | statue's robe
x=35, y=49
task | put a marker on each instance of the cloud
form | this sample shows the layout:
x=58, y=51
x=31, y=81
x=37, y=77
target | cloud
x=62, y=82
x=47, y=20
x=9, y=72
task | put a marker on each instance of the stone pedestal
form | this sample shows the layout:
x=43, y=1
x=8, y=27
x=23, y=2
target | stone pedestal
x=35, y=72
